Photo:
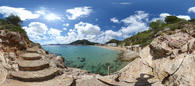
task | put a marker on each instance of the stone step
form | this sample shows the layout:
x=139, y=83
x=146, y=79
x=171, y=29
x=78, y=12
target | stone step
x=35, y=76
x=33, y=49
x=31, y=56
x=33, y=65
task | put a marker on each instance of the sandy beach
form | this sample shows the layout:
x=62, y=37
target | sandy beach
x=113, y=48
x=121, y=50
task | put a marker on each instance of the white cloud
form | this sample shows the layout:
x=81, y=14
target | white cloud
x=21, y=12
x=186, y=17
x=54, y=32
x=87, y=28
x=114, y=20
x=134, y=23
x=161, y=17
x=112, y=33
x=164, y=15
x=40, y=12
x=191, y=10
x=84, y=30
x=46, y=14
x=138, y=17
x=125, y=3
x=66, y=24
x=52, y=16
x=39, y=32
x=36, y=30
x=64, y=29
x=78, y=12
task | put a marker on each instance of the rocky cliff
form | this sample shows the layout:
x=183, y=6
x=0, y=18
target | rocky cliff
x=24, y=63
x=169, y=60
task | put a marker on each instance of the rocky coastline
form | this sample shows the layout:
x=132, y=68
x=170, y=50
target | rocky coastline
x=168, y=60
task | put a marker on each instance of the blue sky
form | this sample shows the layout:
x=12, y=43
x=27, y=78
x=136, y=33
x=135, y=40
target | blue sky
x=64, y=21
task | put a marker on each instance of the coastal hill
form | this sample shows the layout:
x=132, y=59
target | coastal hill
x=166, y=56
x=166, y=59
x=83, y=42
x=113, y=41
x=156, y=28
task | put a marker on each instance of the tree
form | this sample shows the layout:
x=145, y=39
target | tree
x=157, y=24
x=13, y=19
x=192, y=20
x=173, y=19
x=113, y=41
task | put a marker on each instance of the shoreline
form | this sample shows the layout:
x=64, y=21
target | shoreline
x=113, y=48
x=119, y=49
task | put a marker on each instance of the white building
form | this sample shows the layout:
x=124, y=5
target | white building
x=112, y=44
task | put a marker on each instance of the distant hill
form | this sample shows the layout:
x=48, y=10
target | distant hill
x=113, y=41
x=83, y=42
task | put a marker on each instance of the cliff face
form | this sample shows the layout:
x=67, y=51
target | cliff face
x=23, y=63
x=168, y=61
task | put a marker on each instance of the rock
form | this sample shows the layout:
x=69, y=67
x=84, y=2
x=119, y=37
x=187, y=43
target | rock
x=129, y=55
x=1, y=40
x=15, y=67
x=3, y=74
x=89, y=82
x=82, y=59
x=191, y=45
x=57, y=62
x=164, y=45
x=13, y=39
x=12, y=56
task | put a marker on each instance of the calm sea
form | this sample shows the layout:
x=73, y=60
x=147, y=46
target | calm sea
x=91, y=58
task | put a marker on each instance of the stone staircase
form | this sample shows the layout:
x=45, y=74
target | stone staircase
x=32, y=68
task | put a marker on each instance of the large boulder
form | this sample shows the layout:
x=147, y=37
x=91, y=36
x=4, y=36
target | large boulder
x=165, y=45
x=57, y=61
x=13, y=39
x=171, y=58
x=129, y=55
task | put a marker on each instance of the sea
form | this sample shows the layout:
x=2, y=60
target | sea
x=91, y=58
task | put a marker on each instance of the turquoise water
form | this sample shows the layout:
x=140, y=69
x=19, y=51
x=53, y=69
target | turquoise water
x=91, y=58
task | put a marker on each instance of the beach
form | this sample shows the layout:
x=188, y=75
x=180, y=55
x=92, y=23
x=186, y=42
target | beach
x=113, y=48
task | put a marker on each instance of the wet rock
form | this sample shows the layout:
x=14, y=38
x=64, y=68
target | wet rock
x=82, y=59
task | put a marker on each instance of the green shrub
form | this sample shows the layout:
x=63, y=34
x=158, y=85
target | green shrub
x=173, y=19
x=156, y=28
x=12, y=23
x=15, y=20
x=157, y=24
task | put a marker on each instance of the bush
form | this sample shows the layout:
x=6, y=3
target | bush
x=114, y=41
x=192, y=21
x=173, y=19
x=12, y=23
x=157, y=24
x=12, y=19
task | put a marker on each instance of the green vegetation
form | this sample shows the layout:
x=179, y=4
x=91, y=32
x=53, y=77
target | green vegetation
x=156, y=28
x=82, y=42
x=173, y=19
x=114, y=41
x=12, y=23
x=192, y=21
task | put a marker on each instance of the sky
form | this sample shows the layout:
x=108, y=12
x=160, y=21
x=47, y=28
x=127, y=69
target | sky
x=65, y=21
